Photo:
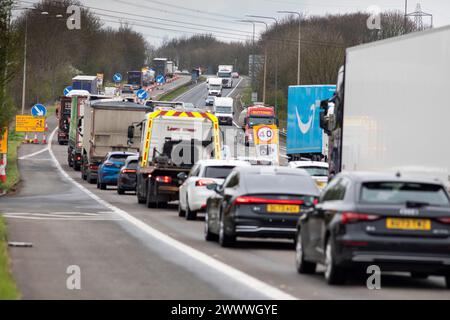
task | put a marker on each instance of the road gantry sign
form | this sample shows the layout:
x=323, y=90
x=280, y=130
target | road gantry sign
x=30, y=124
x=4, y=141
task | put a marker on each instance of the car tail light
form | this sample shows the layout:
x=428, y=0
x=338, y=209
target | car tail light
x=128, y=171
x=315, y=201
x=445, y=220
x=163, y=179
x=93, y=167
x=203, y=182
x=251, y=200
x=349, y=217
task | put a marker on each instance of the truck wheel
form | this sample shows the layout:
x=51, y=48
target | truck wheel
x=149, y=199
x=76, y=167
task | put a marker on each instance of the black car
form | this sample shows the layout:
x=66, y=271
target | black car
x=362, y=219
x=126, y=181
x=262, y=202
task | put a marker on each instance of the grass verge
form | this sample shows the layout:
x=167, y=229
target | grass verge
x=8, y=288
x=12, y=170
x=170, y=96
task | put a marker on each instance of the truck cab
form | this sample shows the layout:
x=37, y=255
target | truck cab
x=215, y=87
x=223, y=110
x=63, y=117
x=254, y=116
x=225, y=74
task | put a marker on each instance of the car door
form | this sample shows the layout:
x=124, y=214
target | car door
x=100, y=167
x=325, y=212
x=215, y=204
x=229, y=193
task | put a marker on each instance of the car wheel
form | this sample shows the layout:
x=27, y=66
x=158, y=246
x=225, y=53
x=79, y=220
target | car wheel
x=209, y=236
x=190, y=215
x=224, y=239
x=303, y=267
x=120, y=191
x=102, y=186
x=90, y=179
x=333, y=273
x=181, y=212
x=83, y=175
x=419, y=275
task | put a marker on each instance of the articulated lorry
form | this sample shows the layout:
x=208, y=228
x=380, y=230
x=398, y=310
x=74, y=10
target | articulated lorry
x=305, y=137
x=63, y=118
x=172, y=141
x=79, y=99
x=160, y=66
x=105, y=127
x=390, y=110
x=88, y=83
x=225, y=73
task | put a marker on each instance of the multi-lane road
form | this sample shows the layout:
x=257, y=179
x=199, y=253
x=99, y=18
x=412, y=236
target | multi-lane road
x=127, y=251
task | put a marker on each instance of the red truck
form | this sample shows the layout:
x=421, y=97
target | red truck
x=63, y=117
x=254, y=116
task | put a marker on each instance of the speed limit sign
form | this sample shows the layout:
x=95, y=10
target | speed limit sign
x=266, y=134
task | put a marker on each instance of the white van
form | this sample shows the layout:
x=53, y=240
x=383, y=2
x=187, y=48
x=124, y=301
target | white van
x=223, y=110
x=215, y=87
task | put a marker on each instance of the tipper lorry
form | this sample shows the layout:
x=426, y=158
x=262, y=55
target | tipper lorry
x=105, y=127
x=79, y=99
x=63, y=118
x=390, y=110
x=172, y=141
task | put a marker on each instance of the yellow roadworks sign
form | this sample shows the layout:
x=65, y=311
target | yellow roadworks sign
x=4, y=141
x=30, y=124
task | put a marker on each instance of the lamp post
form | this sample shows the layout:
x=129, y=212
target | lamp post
x=253, y=49
x=299, y=39
x=276, y=58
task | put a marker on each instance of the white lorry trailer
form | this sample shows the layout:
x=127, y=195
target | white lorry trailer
x=390, y=110
x=225, y=73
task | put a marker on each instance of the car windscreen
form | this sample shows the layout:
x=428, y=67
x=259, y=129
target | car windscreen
x=316, y=171
x=404, y=192
x=132, y=164
x=254, y=121
x=280, y=184
x=218, y=172
x=220, y=109
x=215, y=87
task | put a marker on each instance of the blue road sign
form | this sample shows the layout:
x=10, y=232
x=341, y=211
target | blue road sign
x=160, y=79
x=142, y=94
x=117, y=77
x=39, y=110
x=67, y=90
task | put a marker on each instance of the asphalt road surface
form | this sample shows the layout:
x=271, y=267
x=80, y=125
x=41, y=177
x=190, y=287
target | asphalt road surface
x=126, y=251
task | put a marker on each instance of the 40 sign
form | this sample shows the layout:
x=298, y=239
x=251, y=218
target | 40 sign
x=266, y=134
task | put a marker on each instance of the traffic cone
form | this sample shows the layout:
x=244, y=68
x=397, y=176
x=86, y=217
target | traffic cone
x=26, y=139
x=44, y=139
x=2, y=170
x=35, y=140
x=46, y=127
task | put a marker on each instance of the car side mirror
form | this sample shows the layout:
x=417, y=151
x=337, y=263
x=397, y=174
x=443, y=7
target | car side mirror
x=212, y=186
x=182, y=176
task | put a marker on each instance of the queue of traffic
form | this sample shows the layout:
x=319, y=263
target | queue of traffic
x=348, y=198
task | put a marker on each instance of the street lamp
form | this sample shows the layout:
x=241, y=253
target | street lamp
x=276, y=58
x=253, y=46
x=299, y=39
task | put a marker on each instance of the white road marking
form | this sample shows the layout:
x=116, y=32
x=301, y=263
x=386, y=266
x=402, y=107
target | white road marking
x=259, y=286
x=33, y=154
x=235, y=87
x=192, y=89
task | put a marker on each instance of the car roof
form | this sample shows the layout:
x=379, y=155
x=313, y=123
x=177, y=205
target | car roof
x=304, y=163
x=132, y=158
x=368, y=176
x=231, y=162
x=272, y=170
x=111, y=153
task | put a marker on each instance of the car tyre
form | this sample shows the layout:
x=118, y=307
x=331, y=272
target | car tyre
x=224, y=239
x=334, y=274
x=190, y=214
x=148, y=202
x=302, y=266
x=181, y=212
x=89, y=179
x=102, y=186
x=120, y=191
x=209, y=236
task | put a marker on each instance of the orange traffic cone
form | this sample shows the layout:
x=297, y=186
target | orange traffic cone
x=46, y=127
x=26, y=139
x=35, y=140
x=2, y=170
x=44, y=139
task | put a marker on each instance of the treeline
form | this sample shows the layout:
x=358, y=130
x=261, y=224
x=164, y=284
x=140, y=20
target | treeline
x=55, y=54
x=206, y=51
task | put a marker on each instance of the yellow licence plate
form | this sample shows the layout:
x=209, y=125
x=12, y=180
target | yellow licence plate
x=283, y=208
x=408, y=224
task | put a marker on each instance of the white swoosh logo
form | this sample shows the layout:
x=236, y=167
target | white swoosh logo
x=305, y=127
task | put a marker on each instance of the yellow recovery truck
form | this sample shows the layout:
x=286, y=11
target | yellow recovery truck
x=172, y=141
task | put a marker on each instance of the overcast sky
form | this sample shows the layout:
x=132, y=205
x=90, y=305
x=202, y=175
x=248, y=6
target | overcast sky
x=219, y=17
